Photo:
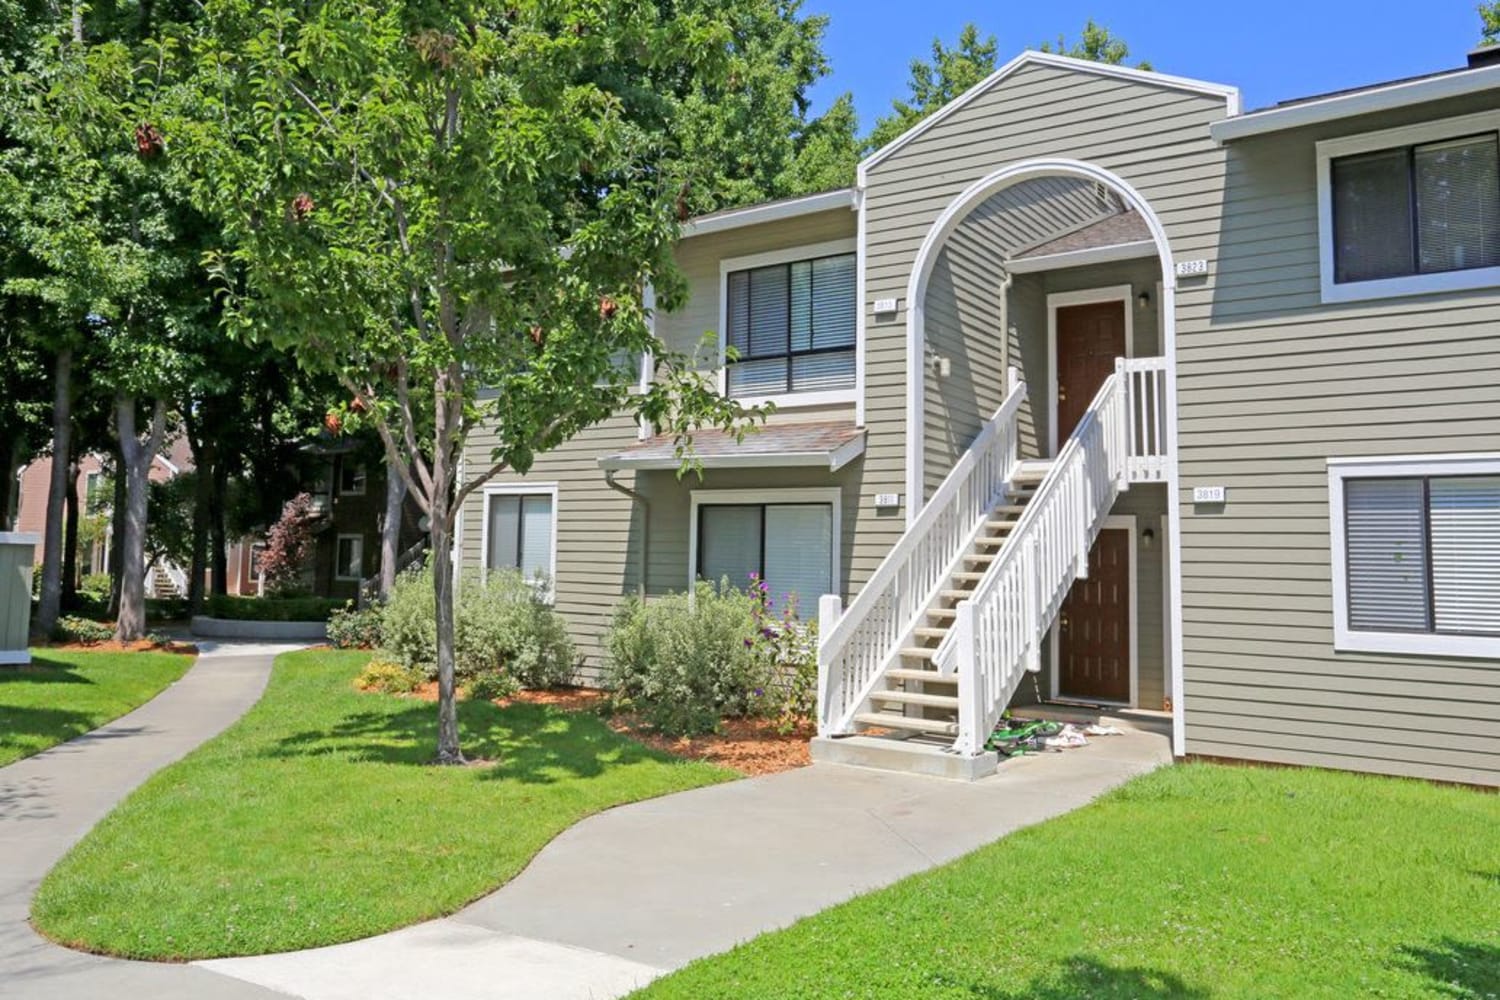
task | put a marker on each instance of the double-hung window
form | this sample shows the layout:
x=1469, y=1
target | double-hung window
x=1411, y=210
x=349, y=559
x=1416, y=547
x=520, y=531
x=786, y=538
x=792, y=325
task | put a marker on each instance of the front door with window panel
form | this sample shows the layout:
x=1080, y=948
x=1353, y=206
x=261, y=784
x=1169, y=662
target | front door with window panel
x=1093, y=628
x=1089, y=339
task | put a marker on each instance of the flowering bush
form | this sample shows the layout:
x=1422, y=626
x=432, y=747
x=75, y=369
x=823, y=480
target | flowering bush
x=289, y=546
x=788, y=649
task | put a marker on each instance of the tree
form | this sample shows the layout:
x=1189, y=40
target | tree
x=932, y=85
x=424, y=198
x=828, y=151
x=289, y=545
x=1489, y=16
x=1096, y=45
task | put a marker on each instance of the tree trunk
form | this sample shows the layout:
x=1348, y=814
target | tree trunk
x=137, y=456
x=390, y=532
x=202, y=492
x=50, y=604
x=116, y=535
x=70, y=539
x=10, y=494
x=218, y=551
x=448, y=750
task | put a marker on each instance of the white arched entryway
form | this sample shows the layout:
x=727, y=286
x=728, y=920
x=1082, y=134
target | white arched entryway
x=952, y=217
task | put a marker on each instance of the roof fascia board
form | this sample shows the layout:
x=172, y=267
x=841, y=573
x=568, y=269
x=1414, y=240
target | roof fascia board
x=1078, y=258
x=1231, y=95
x=1398, y=95
x=754, y=215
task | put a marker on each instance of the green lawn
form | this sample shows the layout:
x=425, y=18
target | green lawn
x=1193, y=882
x=316, y=819
x=61, y=695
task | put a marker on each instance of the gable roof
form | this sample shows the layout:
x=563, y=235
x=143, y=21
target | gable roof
x=1231, y=95
x=1124, y=228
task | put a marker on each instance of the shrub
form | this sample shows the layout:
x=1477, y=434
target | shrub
x=289, y=545
x=271, y=609
x=355, y=628
x=166, y=609
x=389, y=678
x=492, y=685
x=71, y=628
x=686, y=663
x=788, y=647
x=502, y=624
x=95, y=585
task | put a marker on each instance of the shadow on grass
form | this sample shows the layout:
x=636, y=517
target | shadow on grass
x=22, y=727
x=1464, y=970
x=534, y=744
x=42, y=670
x=1085, y=976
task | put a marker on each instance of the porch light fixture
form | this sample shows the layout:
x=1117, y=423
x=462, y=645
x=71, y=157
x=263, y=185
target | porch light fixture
x=1143, y=300
x=1148, y=537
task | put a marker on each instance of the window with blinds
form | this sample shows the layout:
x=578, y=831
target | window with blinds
x=792, y=327
x=520, y=527
x=1422, y=554
x=1420, y=209
x=789, y=546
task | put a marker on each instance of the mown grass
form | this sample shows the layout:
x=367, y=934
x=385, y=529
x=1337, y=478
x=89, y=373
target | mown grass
x=63, y=694
x=317, y=819
x=1194, y=882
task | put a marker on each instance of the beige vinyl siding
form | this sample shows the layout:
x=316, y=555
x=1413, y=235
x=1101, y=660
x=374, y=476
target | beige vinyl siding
x=1272, y=384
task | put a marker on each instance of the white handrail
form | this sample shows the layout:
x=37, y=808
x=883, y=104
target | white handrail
x=998, y=630
x=1146, y=405
x=854, y=653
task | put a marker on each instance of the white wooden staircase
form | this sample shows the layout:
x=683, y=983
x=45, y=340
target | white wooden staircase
x=936, y=643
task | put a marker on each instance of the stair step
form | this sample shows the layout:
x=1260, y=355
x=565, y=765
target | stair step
x=924, y=676
x=922, y=632
x=968, y=577
x=887, y=720
x=955, y=595
x=913, y=698
x=917, y=652
x=999, y=525
x=942, y=613
x=1008, y=509
x=980, y=557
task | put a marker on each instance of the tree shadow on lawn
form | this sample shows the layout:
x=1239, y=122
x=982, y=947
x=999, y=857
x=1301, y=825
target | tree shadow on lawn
x=533, y=744
x=1085, y=976
x=1464, y=970
x=22, y=727
x=43, y=670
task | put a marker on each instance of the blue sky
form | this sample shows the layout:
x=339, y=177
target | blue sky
x=1271, y=49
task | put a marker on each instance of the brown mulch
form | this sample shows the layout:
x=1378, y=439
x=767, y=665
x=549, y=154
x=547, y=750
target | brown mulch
x=750, y=746
x=113, y=646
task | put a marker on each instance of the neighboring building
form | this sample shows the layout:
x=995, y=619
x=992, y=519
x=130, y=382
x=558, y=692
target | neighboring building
x=1092, y=377
x=348, y=489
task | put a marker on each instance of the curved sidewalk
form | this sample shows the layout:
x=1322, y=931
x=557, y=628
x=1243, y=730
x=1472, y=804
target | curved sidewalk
x=49, y=801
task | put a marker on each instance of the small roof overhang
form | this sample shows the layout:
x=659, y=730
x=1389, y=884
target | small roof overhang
x=770, y=211
x=829, y=445
x=1123, y=236
x=1367, y=100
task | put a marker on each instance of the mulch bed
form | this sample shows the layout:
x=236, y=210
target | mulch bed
x=113, y=646
x=750, y=746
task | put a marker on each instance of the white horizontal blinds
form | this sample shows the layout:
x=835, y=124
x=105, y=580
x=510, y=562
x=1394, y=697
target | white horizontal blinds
x=729, y=543
x=793, y=326
x=1458, y=204
x=799, y=554
x=505, y=533
x=1372, y=218
x=536, y=536
x=1386, y=554
x=1465, y=528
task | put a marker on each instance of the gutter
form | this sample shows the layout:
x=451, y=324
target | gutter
x=640, y=498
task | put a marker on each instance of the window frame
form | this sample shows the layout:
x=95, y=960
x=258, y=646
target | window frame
x=1347, y=639
x=831, y=495
x=522, y=490
x=359, y=557
x=361, y=476
x=1425, y=133
x=792, y=255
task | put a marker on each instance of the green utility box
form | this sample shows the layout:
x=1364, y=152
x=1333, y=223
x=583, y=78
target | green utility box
x=16, y=552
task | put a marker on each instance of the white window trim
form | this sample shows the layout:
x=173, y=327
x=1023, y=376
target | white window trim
x=831, y=495
x=359, y=548
x=1416, y=284
x=519, y=489
x=1114, y=522
x=790, y=255
x=1124, y=294
x=1346, y=639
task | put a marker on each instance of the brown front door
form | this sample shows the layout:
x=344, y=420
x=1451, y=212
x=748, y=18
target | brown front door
x=1093, y=628
x=1089, y=338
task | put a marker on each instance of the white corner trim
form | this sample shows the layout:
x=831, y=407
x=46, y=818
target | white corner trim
x=1082, y=258
x=359, y=546
x=788, y=255
x=862, y=317
x=519, y=489
x=1230, y=95
x=1124, y=294
x=831, y=495
x=922, y=266
x=1346, y=639
x=1369, y=142
x=1113, y=522
x=775, y=211
x=1387, y=98
x=648, y=358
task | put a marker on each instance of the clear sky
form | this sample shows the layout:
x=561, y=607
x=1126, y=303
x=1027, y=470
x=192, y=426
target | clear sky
x=1271, y=49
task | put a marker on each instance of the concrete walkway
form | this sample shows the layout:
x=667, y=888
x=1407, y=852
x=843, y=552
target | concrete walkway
x=48, y=802
x=637, y=891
